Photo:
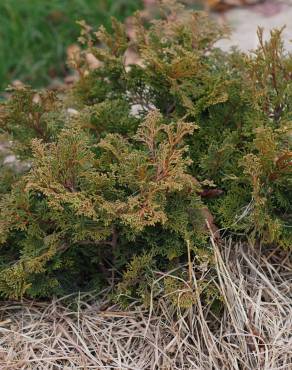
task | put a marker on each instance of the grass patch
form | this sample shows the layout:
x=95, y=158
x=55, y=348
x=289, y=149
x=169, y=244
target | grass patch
x=34, y=34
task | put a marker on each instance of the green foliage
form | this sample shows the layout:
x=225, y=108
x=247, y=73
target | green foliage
x=126, y=170
x=30, y=115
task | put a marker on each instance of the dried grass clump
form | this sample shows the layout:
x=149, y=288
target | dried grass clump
x=253, y=332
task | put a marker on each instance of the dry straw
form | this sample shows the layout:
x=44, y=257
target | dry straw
x=253, y=332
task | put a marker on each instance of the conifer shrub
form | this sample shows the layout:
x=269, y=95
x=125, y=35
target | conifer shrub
x=132, y=169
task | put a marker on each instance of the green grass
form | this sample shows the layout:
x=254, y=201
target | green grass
x=34, y=34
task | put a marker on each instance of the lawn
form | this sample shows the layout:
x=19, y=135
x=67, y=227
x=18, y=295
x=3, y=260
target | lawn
x=34, y=34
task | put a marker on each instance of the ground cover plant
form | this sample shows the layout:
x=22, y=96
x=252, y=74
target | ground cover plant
x=134, y=168
x=35, y=34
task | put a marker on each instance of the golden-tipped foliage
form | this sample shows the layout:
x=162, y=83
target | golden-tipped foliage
x=137, y=159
